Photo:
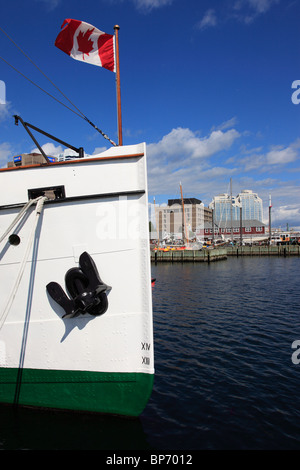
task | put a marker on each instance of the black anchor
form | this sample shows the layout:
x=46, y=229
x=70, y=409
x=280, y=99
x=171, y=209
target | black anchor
x=88, y=293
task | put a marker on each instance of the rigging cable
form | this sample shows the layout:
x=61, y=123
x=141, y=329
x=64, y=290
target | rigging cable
x=39, y=207
x=19, y=216
x=80, y=114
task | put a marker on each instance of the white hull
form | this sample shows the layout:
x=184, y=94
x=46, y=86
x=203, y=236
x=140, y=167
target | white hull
x=104, y=213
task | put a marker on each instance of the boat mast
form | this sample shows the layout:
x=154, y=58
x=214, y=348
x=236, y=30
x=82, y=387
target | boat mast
x=118, y=86
x=270, y=207
x=183, y=213
x=156, y=222
x=231, y=210
x=241, y=225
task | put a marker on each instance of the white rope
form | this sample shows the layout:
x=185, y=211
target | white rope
x=19, y=216
x=38, y=210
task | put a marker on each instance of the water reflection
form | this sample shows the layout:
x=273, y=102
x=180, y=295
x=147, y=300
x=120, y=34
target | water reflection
x=224, y=375
x=29, y=429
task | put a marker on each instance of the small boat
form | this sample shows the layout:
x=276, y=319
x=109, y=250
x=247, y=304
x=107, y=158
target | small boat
x=76, y=326
x=195, y=246
x=219, y=242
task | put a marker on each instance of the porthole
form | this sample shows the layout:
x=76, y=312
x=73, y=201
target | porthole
x=14, y=239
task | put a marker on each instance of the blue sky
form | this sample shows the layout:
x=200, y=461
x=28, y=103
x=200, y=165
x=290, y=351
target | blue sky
x=206, y=84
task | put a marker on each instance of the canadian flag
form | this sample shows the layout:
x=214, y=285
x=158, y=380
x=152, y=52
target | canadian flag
x=84, y=42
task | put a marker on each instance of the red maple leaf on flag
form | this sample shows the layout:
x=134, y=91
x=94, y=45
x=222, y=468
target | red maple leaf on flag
x=85, y=45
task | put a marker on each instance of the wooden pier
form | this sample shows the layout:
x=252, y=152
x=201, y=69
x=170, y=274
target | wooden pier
x=184, y=256
x=280, y=250
x=217, y=254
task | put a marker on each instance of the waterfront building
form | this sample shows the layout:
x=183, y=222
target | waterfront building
x=207, y=215
x=251, y=229
x=170, y=219
x=25, y=159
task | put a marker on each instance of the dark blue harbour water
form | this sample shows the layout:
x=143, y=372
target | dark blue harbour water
x=224, y=372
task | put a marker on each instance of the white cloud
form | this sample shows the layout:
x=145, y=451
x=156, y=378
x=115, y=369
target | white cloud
x=209, y=19
x=245, y=11
x=54, y=151
x=151, y=4
x=145, y=6
x=227, y=124
x=5, y=152
x=248, y=10
x=276, y=156
x=290, y=212
x=284, y=209
x=182, y=155
x=184, y=143
x=49, y=149
x=261, y=6
x=5, y=111
x=280, y=155
x=99, y=150
x=50, y=4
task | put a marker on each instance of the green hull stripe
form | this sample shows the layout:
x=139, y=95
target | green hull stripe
x=102, y=392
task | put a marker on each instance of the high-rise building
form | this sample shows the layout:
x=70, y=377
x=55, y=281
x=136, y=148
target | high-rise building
x=222, y=205
x=251, y=204
x=225, y=208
